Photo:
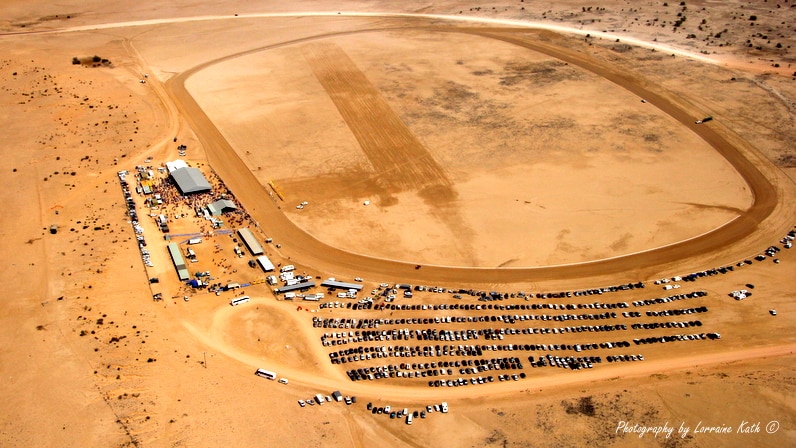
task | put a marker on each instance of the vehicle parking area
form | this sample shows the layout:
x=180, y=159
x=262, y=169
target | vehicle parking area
x=446, y=342
x=448, y=337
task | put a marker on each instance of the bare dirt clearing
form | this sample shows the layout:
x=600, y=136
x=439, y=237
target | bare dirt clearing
x=90, y=360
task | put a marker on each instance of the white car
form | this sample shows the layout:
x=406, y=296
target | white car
x=282, y=380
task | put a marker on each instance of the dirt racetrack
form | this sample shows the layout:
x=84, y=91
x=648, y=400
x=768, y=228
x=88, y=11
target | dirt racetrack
x=311, y=252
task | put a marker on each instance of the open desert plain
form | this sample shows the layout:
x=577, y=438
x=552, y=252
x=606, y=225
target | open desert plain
x=398, y=223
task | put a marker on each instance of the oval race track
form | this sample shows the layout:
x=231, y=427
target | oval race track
x=303, y=249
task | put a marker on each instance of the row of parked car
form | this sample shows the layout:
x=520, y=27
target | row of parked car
x=335, y=396
x=678, y=312
x=406, y=413
x=565, y=362
x=656, y=325
x=131, y=211
x=787, y=241
x=677, y=337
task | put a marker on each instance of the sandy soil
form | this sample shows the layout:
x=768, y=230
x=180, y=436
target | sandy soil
x=89, y=359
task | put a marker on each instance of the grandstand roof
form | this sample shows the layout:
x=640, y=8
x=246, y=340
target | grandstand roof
x=295, y=287
x=179, y=262
x=250, y=241
x=335, y=284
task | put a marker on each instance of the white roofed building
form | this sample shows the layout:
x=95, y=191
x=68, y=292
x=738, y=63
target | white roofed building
x=190, y=180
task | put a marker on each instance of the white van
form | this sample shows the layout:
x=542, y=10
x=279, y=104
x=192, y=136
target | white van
x=287, y=268
x=408, y=419
x=290, y=295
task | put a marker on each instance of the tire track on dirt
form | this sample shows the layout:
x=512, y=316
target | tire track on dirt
x=401, y=161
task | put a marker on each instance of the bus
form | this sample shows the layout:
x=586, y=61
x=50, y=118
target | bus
x=239, y=300
x=267, y=374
